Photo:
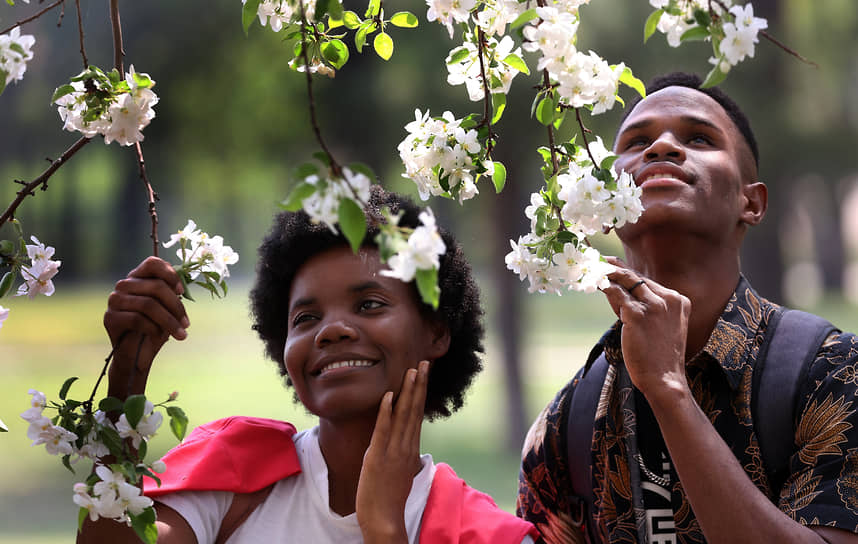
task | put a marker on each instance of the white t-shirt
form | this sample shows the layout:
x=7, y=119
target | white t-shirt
x=297, y=508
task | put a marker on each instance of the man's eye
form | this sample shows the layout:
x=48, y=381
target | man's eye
x=636, y=142
x=371, y=304
x=699, y=139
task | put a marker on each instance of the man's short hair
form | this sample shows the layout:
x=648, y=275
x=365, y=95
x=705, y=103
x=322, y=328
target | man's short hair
x=693, y=81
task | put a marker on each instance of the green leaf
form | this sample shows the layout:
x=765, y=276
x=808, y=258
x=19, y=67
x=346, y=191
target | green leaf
x=608, y=162
x=323, y=158
x=3, y=75
x=112, y=440
x=714, y=77
x=545, y=111
x=248, y=13
x=6, y=283
x=517, y=62
x=628, y=78
x=142, y=449
x=360, y=35
x=352, y=20
x=404, y=19
x=65, y=388
x=178, y=421
x=383, y=45
x=652, y=23
x=702, y=17
x=7, y=248
x=335, y=52
x=373, y=8
x=61, y=91
x=524, y=18
x=144, y=526
x=352, y=222
x=109, y=404
x=81, y=517
x=296, y=198
x=498, y=106
x=322, y=7
x=427, y=285
x=499, y=176
x=361, y=168
x=694, y=34
x=133, y=408
x=458, y=55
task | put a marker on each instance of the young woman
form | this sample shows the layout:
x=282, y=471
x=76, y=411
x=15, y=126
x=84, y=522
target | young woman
x=362, y=353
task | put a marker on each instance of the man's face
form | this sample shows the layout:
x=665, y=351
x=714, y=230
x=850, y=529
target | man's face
x=691, y=162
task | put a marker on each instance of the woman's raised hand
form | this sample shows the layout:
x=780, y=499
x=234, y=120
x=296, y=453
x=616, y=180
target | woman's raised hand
x=143, y=311
x=392, y=460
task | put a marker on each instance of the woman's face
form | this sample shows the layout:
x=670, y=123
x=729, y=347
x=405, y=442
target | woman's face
x=352, y=333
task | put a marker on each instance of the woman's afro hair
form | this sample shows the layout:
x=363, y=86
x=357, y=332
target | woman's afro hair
x=294, y=238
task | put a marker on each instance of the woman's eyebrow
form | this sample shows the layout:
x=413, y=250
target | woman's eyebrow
x=365, y=286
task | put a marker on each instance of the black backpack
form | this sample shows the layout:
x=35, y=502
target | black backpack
x=793, y=339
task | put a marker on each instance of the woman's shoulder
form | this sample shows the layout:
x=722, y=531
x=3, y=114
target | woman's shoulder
x=239, y=454
x=454, y=508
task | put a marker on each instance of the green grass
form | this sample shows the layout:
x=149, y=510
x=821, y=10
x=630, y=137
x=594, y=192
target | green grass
x=220, y=370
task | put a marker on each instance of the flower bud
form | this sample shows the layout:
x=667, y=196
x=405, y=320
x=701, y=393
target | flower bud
x=81, y=488
x=159, y=466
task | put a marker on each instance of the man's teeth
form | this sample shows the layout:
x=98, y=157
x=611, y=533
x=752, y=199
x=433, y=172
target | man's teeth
x=342, y=364
x=660, y=176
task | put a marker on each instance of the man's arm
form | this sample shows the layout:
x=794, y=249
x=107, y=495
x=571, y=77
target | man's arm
x=726, y=503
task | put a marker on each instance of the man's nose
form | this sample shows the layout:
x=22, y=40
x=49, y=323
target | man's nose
x=665, y=147
x=336, y=329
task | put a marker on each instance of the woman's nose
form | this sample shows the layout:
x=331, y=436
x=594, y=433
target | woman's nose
x=335, y=330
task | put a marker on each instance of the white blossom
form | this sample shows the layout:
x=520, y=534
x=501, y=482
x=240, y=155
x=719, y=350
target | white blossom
x=468, y=71
x=37, y=278
x=37, y=405
x=448, y=12
x=741, y=35
x=4, y=315
x=15, y=52
x=422, y=251
x=145, y=428
x=323, y=205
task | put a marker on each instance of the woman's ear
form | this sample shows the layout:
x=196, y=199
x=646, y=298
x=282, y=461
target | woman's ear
x=756, y=201
x=440, y=340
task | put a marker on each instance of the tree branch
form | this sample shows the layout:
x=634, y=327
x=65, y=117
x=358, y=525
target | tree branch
x=34, y=17
x=80, y=34
x=487, y=95
x=116, y=27
x=152, y=197
x=41, y=180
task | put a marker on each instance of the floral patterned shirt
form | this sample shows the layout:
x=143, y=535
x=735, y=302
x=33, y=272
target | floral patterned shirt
x=822, y=486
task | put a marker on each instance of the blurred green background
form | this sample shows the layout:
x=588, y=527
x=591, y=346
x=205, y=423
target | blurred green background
x=232, y=125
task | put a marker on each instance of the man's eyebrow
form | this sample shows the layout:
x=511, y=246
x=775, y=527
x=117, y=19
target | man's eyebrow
x=687, y=119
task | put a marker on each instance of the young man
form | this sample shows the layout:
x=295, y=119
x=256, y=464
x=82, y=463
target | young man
x=675, y=455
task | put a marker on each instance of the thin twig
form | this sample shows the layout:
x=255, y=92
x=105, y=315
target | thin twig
x=792, y=52
x=34, y=17
x=42, y=179
x=584, y=132
x=487, y=96
x=336, y=170
x=116, y=27
x=80, y=34
x=152, y=197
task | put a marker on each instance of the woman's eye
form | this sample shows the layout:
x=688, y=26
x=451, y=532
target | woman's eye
x=302, y=318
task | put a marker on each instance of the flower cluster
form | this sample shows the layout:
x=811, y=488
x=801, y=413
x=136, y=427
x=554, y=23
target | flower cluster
x=582, y=79
x=443, y=156
x=37, y=276
x=277, y=14
x=502, y=62
x=205, y=259
x=420, y=252
x=95, y=102
x=112, y=496
x=15, y=51
x=583, y=200
x=329, y=192
x=733, y=30
x=76, y=432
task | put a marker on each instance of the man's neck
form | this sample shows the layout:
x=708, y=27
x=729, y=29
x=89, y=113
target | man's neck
x=707, y=276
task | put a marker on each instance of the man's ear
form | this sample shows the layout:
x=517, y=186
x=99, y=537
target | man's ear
x=756, y=201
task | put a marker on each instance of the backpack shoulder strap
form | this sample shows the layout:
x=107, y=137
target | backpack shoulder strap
x=793, y=340
x=580, y=418
x=243, y=504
